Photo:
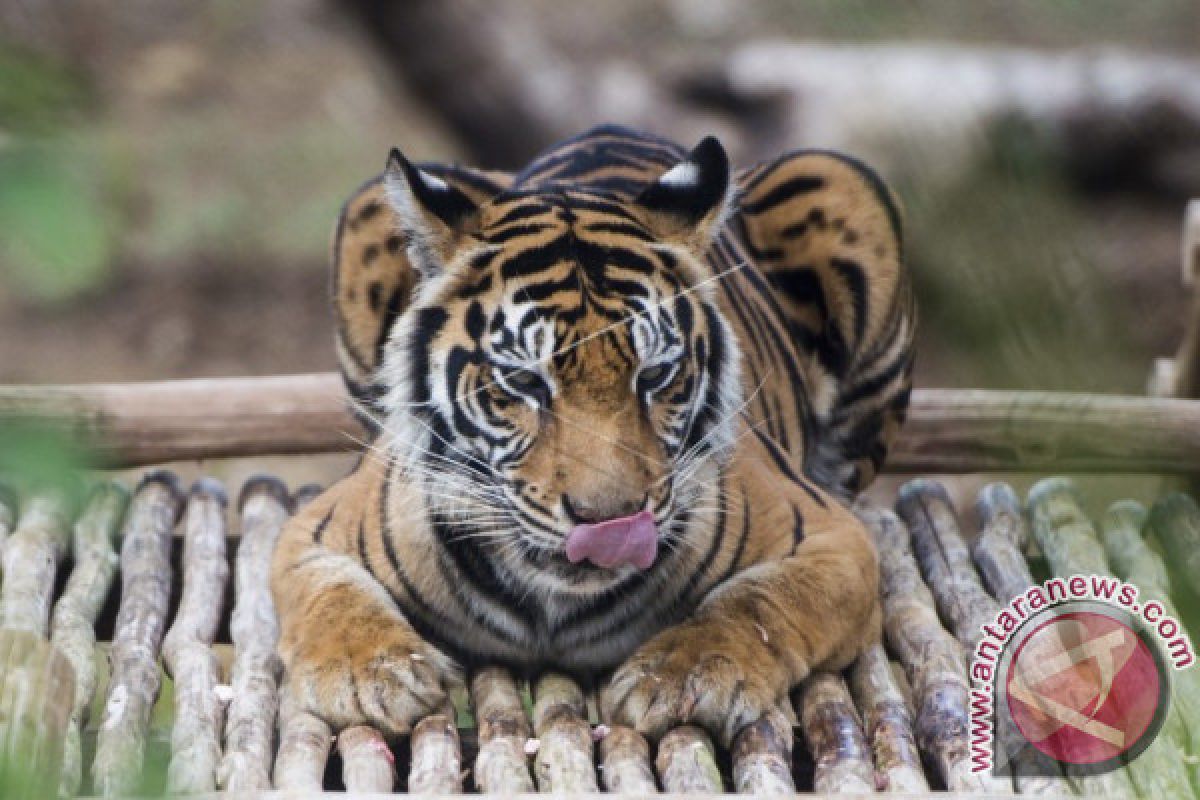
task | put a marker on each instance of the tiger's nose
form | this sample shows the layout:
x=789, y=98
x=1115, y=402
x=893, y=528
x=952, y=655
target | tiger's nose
x=590, y=509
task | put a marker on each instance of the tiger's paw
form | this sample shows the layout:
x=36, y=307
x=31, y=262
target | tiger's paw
x=692, y=674
x=384, y=676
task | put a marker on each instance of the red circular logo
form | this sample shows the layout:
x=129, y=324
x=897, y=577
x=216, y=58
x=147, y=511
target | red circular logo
x=1083, y=688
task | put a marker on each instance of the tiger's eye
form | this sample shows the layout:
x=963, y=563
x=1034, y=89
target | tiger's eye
x=651, y=377
x=523, y=379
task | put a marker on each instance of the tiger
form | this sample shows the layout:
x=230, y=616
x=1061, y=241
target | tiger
x=618, y=404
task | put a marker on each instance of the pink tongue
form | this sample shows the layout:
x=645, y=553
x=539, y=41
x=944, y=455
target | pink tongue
x=615, y=542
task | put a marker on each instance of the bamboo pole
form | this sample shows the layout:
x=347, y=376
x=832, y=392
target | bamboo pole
x=947, y=430
x=687, y=762
x=563, y=762
x=932, y=658
x=945, y=560
x=367, y=763
x=435, y=764
x=1175, y=522
x=1069, y=541
x=73, y=623
x=37, y=682
x=187, y=648
x=250, y=723
x=32, y=555
x=36, y=694
x=762, y=757
x=501, y=767
x=835, y=737
x=997, y=551
x=145, y=593
x=304, y=744
x=888, y=724
x=1137, y=564
x=625, y=762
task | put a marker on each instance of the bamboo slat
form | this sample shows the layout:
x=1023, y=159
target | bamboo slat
x=563, y=762
x=687, y=762
x=73, y=625
x=1137, y=564
x=501, y=766
x=947, y=430
x=945, y=560
x=762, y=757
x=304, y=744
x=888, y=724
x=250, y=723
x=36, y=692
x=32, y=555
x=435, y=764
x=931, y=656
x=1069, y=541
x=625, y=762
x=367, y=762
x=187, y=647
x=835, y=737
x=1175, y=522
x=145, y=594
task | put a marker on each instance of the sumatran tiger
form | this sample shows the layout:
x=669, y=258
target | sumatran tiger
x=619, y=402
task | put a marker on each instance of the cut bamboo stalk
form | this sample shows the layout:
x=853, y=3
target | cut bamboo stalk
x=32, y=555
x=835, y=737
x=1175, y=522
x=564, y=754
x=687, y=762
x=931, y=657
x=187, y=648
x=997, y=553
x=501, y=766
x=254, y=627
x=997, y=550
x=73, y=623
x=945, y=560
x=762, y=757
x=1137, y=564
x=36, y=692
x=435, y=766
x=367, y=762
x=947, y=430
x=888, y=724
x=1071, y=546
x=145, y=594
x=625, y=762
x=304, y=744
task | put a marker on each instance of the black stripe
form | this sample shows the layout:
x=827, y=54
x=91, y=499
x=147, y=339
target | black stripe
x=792, y=187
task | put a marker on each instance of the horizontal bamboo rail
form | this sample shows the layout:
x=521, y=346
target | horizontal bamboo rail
x=949, y=430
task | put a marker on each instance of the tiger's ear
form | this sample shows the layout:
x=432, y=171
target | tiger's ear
x=689, y=202
x=434, y=214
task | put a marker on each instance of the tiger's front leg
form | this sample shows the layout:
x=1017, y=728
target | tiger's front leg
x=349, y=654
x=755, y=637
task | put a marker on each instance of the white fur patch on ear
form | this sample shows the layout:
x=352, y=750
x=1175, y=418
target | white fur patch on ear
x=681, y=175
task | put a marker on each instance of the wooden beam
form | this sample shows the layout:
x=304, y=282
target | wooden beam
x=949, y=430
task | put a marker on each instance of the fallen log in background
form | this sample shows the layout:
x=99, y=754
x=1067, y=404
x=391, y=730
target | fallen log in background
x=947, y=431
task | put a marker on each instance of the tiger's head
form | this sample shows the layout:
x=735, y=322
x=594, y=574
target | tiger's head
x=563, y=385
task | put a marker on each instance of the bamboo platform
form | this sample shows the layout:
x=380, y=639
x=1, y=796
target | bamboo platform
x=145, y=685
